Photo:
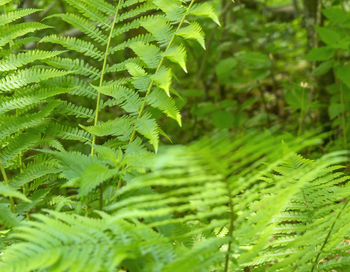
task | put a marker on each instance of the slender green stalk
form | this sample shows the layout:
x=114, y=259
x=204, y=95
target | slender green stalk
x=6, y=181
x=150, y=86
x=230, y=230
x=302, y=113
x=343, y=117
x=98, y=100
x=327, y=237
x=103, y=73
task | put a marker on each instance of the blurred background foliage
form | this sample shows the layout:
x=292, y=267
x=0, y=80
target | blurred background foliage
x=281, y=64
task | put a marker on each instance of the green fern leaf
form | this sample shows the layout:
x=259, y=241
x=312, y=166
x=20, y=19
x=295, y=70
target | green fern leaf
x=158, y=99
x=71, y=43
x=163, y=79
x=148, y=127
x=24, y=77
x=19, y=30
x=15, y=15
x=192, y=31
x=13, y=62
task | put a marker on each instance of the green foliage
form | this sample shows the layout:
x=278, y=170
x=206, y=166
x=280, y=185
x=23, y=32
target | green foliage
x=91, y=89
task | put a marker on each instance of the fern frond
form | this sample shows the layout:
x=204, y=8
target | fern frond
x=27, y=76
x=91, y=12
x=13, y=32
x=120, y=127
x=15, y=15
x=30, y=97
x=18, y=145
x=78, y=66
x=148, y=127
x=13, y=124
x=65, y=132
x=83, y=25
x=82, y=244
x=126, y=98
x=86, y=48
x=158, y=99
x=34, y=171
x=13, y=62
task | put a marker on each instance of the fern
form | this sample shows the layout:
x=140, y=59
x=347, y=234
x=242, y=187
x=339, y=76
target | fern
x=148, y=71
x=193, y=192
x=117, y=206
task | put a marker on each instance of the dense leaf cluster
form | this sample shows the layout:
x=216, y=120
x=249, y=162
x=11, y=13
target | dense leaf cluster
x=86, y=184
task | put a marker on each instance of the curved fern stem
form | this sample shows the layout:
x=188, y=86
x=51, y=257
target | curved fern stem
x=99, y=94
x=327, y=237
x=158, y=68
x=230, y=230
x=6, y=181
x=103, y=72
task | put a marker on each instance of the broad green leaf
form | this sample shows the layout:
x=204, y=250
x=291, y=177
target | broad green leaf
x=336, y=15
x=223, y=119
x=297, y=98
x=343, y=73
x=254, y=60
x=225, y=70
x=335, y=110
x=333, y=37
x=323, y=68
x=320, y=54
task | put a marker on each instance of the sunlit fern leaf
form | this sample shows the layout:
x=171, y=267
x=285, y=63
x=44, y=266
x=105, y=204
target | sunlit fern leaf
x=29, y=97
x=34, y=171
x=192, y=31
x=24, y=77
x=7, y=218
x=13, y=124
x=75, y=44
x=4, y=2
x=83, y=25
x=77, y=243
x=15, y=15
x=66, y=132
x=13, y=62
x=158, y=99
x=8, y=191
x=124, y=97
x=205, y=10
x=148, y=127
x=19, y=30
x=120, y=127
x=78, y=66
x=18, y=144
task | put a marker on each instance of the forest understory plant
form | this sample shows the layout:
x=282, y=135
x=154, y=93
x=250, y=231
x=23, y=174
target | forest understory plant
x=88, y=186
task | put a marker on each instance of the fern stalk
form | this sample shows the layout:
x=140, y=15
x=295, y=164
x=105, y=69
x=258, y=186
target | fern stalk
x=99, y=94
x=328, y=235
x=6, y=181
x=158, y=68
x=230, y=231
x=103, y=72
x=343, y=120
